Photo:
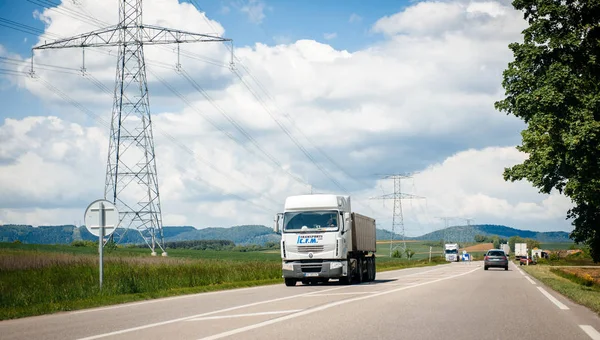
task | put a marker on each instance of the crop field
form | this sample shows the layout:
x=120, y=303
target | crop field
x=586, y=276
x=479, y=247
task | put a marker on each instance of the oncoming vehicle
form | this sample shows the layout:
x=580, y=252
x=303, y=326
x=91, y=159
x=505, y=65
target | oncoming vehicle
x=495, y=258
x=451, y=252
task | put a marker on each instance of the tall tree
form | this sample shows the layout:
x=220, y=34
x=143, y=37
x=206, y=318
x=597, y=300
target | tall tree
x=553, y=84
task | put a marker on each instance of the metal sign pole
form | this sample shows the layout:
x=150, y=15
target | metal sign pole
x=101, y=218
x=101, y=224
x=429, y=253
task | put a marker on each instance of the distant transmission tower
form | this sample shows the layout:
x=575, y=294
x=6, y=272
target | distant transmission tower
x=446, y=219
x=469, y=226
x=397, y=196
x=131, y=177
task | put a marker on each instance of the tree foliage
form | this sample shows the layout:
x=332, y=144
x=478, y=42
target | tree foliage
x=553, y=85
x=531, y=243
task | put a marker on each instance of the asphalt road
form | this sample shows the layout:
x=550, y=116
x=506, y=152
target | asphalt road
x=457, y=301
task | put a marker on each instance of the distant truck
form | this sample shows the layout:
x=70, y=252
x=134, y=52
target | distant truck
x=506, y=248
x=322, y=239
x=451, y=252
x=520, y=250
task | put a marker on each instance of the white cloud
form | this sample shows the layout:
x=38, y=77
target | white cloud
x=255, y=10
x=354, y=18
x=282, y=39
x=422, y=99
x=329, y=36
x=469, y=184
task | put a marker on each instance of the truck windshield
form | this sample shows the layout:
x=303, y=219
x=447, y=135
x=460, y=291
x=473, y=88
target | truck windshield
x=451, y=251
x=310, y=220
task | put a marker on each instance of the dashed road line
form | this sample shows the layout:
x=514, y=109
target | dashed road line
x=553, y=299
x=323, y=307
x=530, y=280
x=245, y=315
x=590, y=331
x=348, y=293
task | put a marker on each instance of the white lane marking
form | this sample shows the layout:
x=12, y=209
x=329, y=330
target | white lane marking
x=552, y=298
x=323, y=307
x=127, y=330
x=413, y=274
x=243, y=315
x=591, y=331
x=530, y=280
x=349, y=293
x=132, y=304
x=203, y=314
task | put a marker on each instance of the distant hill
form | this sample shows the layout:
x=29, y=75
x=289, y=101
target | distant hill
x=467, y=233
x=241, y=235
x=249, y=234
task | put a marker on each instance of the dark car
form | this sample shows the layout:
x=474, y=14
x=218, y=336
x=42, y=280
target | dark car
x=495, y=258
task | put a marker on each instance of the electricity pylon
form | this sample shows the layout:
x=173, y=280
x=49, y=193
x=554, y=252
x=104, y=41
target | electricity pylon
x=398, y=218
x=131, y=178
x=446, y=219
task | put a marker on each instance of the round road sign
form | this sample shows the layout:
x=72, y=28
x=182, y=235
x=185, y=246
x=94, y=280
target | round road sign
x=101, y=212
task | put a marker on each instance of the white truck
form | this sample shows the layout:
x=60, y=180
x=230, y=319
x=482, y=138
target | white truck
x=520, y=250
x=322, y=239
x=451, y=252
x=506, y=248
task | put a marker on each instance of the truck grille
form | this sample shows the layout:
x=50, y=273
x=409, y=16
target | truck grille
x=311, y=267
x=310, y=249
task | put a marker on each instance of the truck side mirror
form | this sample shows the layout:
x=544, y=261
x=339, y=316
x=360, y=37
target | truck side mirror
x=347, y=221
x=276, y=224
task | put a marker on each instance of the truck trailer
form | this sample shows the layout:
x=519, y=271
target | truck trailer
x=520, y=250
x=506, y=248
x=322, y=239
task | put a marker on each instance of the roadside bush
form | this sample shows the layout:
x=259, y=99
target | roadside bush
x=588, y=280
x=397, y=254
x=553, y=257
x=82, y=243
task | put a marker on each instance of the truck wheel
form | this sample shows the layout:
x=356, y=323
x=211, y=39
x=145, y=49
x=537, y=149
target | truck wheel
x=290, y=282
x=359, y=269
x=346, y=280
x=374, y=271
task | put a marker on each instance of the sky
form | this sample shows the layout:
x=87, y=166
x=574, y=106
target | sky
x=333, y=96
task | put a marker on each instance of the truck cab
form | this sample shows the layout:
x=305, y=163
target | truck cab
x=451, y=252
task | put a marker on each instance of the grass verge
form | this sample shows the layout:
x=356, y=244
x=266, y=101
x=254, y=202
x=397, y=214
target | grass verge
x=588, y=296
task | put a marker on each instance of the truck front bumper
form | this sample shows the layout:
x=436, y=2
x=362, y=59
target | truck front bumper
x=307, y=270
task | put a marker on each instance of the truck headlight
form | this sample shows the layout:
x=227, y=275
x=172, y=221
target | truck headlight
x=334, y=265
x=288, y=266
